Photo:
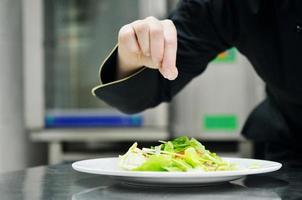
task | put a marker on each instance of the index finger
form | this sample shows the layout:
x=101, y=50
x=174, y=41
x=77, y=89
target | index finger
x=168, y=67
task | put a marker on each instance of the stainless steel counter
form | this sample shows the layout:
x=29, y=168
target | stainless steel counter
x=62, y=182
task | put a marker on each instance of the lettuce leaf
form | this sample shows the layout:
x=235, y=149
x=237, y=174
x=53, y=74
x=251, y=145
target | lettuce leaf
x=191, y=157
x=180, y=154
x=155, y=163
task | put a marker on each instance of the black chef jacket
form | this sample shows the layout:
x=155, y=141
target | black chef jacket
x=267, y=32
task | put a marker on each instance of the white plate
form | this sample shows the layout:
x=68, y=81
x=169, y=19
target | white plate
x=109, y=167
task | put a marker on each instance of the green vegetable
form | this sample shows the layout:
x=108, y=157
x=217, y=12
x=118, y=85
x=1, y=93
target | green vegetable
x=169, y=147
x=197, y=145
x=180, y=154
x=191, y=157
x=181, y=165
x=181, y=143
x=156, y=163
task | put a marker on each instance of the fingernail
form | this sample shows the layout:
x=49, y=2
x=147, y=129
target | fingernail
x=169, y=78
x=172, y=72
x=167, y=75
x=172, y=77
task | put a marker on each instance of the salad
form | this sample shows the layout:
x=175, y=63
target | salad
x=181, y=154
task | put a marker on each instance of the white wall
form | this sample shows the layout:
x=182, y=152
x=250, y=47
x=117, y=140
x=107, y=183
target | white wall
x=12, y=136
x=16, y=151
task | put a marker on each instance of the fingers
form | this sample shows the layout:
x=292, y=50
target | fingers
x=156, y=34
x=141, y=29
x=170, y=48
x=127, y=37
x=154, y=42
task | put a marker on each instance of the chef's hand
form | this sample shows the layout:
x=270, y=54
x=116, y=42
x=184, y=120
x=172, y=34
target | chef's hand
x=149, y=42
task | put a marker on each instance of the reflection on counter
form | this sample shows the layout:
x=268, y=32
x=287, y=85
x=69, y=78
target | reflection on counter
x=219, y=192
x=62, y=182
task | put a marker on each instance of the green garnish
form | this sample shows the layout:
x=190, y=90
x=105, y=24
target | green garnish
x=180, y=154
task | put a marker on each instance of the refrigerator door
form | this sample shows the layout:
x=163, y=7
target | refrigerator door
x=72, y=38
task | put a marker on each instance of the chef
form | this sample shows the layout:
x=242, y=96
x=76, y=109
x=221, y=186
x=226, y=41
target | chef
x=155, y=59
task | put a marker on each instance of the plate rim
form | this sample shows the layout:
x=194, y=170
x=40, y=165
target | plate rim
x=194, y=174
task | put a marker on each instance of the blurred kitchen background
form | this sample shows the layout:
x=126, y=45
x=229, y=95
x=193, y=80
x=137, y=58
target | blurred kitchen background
x=50, y=52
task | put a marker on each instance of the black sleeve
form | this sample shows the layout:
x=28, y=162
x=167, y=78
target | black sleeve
x=199, y=41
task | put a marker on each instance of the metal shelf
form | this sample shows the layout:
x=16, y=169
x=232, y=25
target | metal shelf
x=99, y=134
x=55, y=138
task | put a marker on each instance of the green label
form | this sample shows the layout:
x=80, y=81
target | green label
x=228, y=56
x=220, y=122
